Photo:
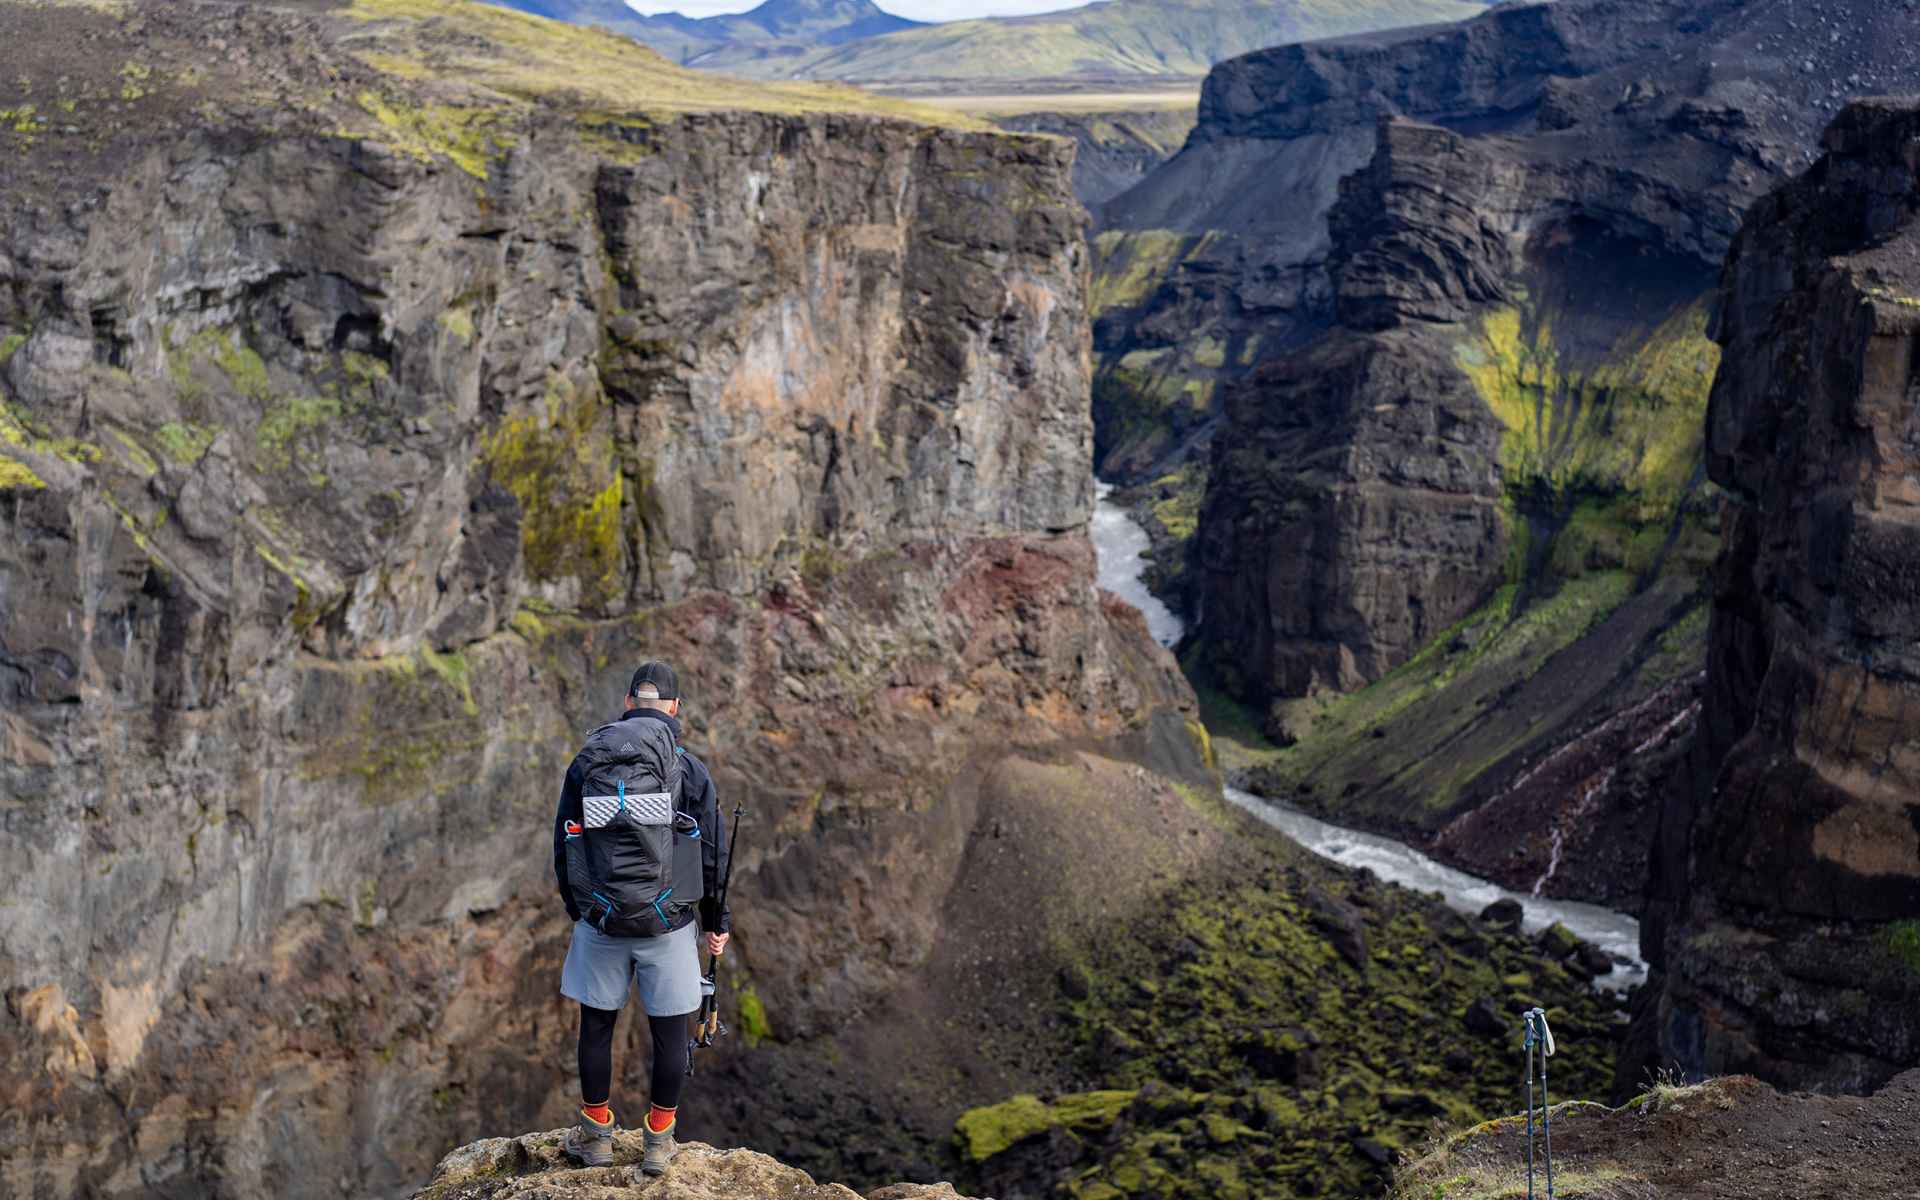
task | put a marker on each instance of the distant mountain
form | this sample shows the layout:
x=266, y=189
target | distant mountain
x=1117, y=38
x=830, y=22
x=855, y=41
x=778, y=32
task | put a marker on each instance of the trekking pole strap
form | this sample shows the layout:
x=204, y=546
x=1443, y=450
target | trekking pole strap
x=1539, y=1033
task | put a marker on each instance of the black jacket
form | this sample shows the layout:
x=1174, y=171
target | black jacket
x=699, y=798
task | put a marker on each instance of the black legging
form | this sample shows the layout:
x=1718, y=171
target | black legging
x=670, y=1056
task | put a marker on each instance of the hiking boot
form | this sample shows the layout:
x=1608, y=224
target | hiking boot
x=590, y=1143
x=660, y=1148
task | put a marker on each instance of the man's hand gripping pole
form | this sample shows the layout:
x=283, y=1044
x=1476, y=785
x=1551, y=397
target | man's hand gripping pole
x=707, y=1027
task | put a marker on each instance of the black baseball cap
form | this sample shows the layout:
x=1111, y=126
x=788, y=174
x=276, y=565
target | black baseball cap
x=659, y=676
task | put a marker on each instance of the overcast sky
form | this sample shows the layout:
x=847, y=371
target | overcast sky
x=919, y=10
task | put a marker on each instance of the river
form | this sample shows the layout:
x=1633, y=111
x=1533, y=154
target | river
x=1121, y=546
x=1616, y=933
x=1119, y=542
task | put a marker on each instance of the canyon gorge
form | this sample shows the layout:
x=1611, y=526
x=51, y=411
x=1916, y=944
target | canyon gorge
x=1519, y=413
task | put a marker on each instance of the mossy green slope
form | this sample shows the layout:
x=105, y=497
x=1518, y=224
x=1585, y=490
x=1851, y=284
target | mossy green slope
x=1631, y=421
x=1611, y=533
x=1405, y=752
x=1239, y=1053
x=559, y=463
x=507, y=61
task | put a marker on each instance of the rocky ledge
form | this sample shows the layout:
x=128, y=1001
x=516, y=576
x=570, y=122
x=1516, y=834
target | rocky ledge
x=532, y=1166
x=1733, y=1136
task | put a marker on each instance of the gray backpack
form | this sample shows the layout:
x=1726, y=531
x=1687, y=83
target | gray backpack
x=635, y=866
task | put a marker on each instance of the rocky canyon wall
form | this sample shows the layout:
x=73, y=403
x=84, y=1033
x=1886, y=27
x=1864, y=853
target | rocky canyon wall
x=1543, y=242
x=1787, y=873
x=1219, y=261
x=373, y=402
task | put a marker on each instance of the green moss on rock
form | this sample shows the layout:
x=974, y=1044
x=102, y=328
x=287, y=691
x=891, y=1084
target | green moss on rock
x=456, y=671
x=754, y=1026
x=1180, y=495
x=1133, y=264
x=1903, y=940
x=17, y=476
x=559, y=464
x=984, y=1132
x=470, y=138
x=287, y=422
x=183, y=442
x=458, y=322
x=1267, y=1063
x=135, y=454
x=21, y=440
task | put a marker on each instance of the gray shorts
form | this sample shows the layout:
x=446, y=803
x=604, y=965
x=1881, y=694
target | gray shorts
x=666, y=970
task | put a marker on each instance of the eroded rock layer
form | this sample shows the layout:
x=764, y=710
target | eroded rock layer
x=373, y=402
x=1787, y=877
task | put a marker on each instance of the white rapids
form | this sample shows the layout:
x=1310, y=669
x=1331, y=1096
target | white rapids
x=1120, y=542
x=1616, y=933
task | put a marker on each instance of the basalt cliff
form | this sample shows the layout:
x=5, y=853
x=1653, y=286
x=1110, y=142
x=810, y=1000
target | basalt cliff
x=380, y=383
x=1787, y=873
x=1406, y=357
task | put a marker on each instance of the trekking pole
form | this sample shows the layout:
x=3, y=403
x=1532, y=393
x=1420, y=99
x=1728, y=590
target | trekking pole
x=1546, y=1105
x=1527, y=1067
x=707, y=1028
x=1539, y=1037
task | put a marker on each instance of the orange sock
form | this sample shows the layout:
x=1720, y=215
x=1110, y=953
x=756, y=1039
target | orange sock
x=659, y=1120
x=598, y=1112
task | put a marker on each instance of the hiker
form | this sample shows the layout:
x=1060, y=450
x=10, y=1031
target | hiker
x=638, y=851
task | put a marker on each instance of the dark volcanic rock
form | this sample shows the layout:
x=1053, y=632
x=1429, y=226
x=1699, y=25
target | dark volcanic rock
x=1483, y=1017
x=1578, y=822
x=1787, y=872
x=1505, y=913
x=1246, y=203
x=1593, y=960
x=1342, y=925
x=1353, y=514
